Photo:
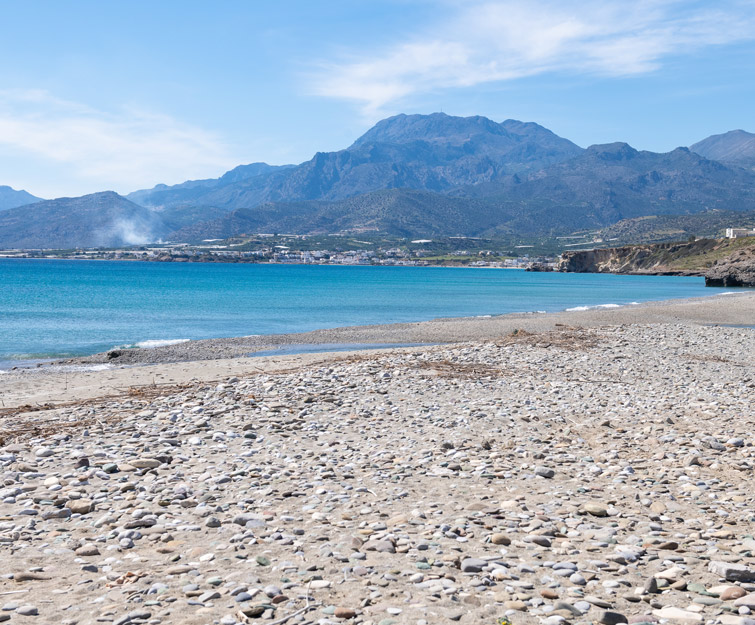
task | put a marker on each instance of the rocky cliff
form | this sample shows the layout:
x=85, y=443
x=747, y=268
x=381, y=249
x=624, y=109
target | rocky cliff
x=723, y=262
x=633, y=259
x=735, y=270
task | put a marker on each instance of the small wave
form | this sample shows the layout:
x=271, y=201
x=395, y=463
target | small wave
x=583, y=308
x=158, y=343
x=727, y=293
x=92, y=367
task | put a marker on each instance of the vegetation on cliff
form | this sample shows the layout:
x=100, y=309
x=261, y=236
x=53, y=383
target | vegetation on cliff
x=701, y=257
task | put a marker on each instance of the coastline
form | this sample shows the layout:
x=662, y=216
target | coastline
x=192, y=362
x=731, y=308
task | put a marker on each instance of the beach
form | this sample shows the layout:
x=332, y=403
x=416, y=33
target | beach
x=213, y=359
x=588, y=466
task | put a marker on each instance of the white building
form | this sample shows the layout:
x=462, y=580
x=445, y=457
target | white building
x=737, y=233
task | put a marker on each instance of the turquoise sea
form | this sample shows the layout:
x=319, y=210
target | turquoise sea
x=51, y=308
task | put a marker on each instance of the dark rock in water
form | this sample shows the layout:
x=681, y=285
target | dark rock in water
x=114, y=353
x=539, y=267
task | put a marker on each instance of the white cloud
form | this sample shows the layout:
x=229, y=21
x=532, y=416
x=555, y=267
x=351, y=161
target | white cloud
x=488, y=42
x=123, y=151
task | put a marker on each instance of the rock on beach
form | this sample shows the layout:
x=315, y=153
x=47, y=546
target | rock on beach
x=541, y=479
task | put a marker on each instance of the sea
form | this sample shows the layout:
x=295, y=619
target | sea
x=62, y=308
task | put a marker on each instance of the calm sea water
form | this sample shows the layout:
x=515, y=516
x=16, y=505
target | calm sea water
x=63, y=308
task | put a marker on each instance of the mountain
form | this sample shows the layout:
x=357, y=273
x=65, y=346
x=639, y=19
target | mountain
x=422, y=175
x=164, y=196
x=99, y=220
x=612, y=182
x=10, y=198
x=603, y=185
x=399, y=212
x=736, y=147
x=435, y=152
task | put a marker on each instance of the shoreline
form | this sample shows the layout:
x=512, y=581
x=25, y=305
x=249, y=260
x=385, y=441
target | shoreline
x=207, y=360
x=444, y=330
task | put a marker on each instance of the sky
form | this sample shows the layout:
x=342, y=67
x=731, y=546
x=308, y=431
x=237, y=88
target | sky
x=123, y=95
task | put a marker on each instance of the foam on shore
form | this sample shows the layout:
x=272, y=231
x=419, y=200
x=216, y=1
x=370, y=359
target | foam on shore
x=151, y=344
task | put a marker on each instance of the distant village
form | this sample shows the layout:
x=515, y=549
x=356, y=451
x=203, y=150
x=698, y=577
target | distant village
x=255, y=251
x=282, y=254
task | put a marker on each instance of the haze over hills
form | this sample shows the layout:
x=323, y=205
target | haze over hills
x=417, y=176
x=735, y=147
x=97, y=220
x=10, y=198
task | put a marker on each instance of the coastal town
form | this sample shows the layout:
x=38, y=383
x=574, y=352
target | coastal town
x=216, y=251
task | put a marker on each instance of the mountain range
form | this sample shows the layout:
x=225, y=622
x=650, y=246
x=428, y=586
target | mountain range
x=414, y=175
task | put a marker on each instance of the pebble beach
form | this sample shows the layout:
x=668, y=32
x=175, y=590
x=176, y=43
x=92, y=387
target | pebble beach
x=580, y=467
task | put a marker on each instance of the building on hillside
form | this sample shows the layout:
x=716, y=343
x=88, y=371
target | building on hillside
x=737, y=233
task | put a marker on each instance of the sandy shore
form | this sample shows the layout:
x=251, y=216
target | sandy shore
x=598, y=471
x=207, y=360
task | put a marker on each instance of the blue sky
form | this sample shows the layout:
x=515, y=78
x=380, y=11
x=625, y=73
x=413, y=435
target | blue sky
x=124, y=95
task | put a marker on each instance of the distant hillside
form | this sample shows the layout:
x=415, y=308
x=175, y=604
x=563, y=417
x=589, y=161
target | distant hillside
x=658, y=228
x=401, y=212
x=10, y=198
x=98, y=220
x=736, y=147
x=189, y=193
x=609, y=183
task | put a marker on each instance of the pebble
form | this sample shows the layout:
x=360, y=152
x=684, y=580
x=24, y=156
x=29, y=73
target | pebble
x=732, y=572
x=732, y=592
x=27, y=610
x=474, y=481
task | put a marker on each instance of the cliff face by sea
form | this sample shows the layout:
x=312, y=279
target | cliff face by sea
x=735, y=270
x=723, y=262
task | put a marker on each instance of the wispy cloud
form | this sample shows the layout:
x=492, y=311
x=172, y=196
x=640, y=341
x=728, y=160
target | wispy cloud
x=121, y=150
x=487, y=42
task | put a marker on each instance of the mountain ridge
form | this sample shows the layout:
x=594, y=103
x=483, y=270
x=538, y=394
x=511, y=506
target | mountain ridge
x=434, y=152
x=736, y=147
x=12, y=198
x=415, y=175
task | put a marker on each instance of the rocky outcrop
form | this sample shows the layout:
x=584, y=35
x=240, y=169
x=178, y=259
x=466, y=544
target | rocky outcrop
x=735, y=270
x=723, y=262
x=633, y=259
